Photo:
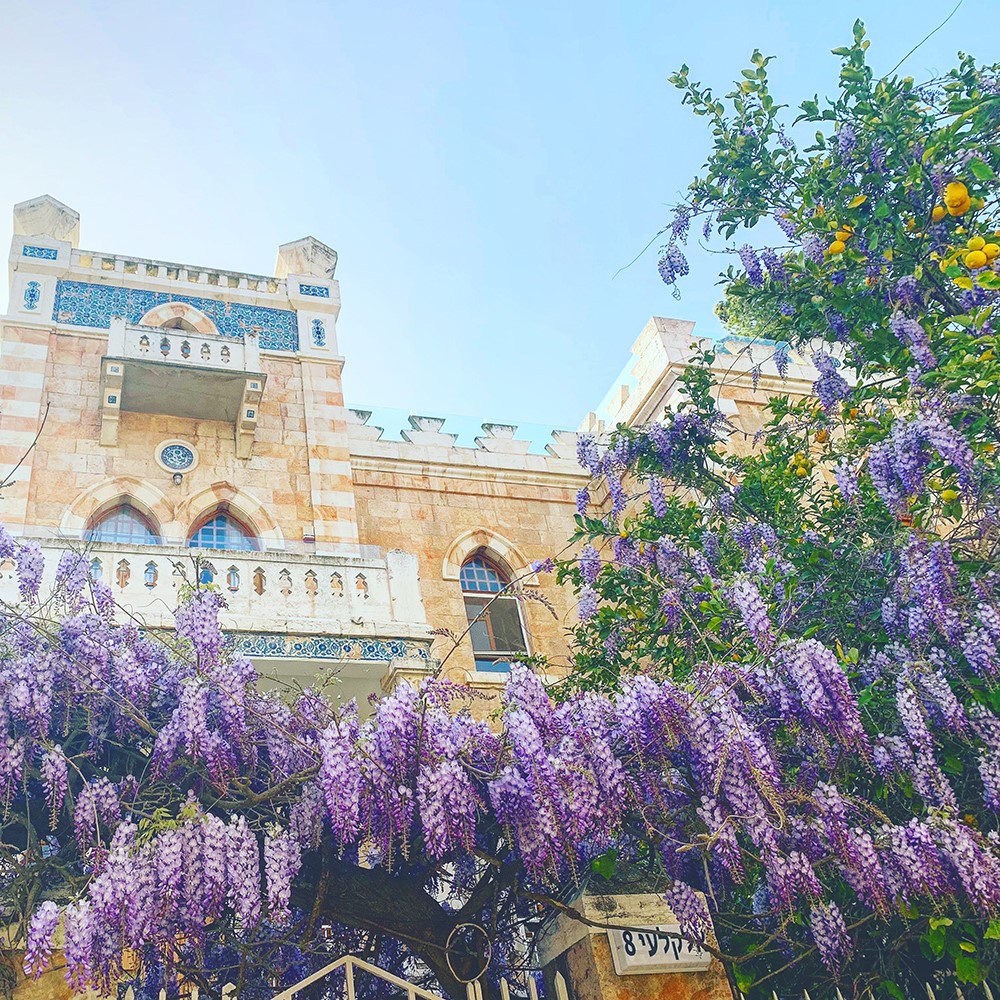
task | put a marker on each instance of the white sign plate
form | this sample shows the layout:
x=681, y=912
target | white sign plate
x=647, y=950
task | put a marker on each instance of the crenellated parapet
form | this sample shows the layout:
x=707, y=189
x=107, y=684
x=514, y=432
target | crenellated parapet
x=498, y=449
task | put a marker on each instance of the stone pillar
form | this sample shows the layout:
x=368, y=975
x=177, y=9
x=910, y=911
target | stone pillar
x=335, y=522
x=23, y=356
x=587, y=962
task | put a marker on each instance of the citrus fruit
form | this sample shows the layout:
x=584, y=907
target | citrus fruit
x=955, y=193
x=939, y=213
x=837, y=246
x=976, y=243
x=975, y=259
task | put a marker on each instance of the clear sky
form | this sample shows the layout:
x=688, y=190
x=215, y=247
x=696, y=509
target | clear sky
x=483, y=168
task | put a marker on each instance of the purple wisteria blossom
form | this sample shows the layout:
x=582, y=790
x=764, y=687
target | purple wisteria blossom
x=751, y=264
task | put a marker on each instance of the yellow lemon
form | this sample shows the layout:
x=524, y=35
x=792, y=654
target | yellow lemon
x=822, y=434
x=842, y=236
x=939, y=213
x=853, y=413
x=992, y=251
x=837, y=246
x=975, y=259
x=948, y=495
x=801, y=471
x=977, y=203
x=960, y=207
x=955, y=193
x=976, y=243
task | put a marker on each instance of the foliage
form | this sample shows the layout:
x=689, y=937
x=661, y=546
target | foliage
x=828, y=591
x=168, y=820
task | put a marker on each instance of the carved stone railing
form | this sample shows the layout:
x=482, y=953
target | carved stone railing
x=93, y=260
x=266, y=592
x=183, y=347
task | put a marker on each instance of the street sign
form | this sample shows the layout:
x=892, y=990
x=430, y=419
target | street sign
x=647, y=950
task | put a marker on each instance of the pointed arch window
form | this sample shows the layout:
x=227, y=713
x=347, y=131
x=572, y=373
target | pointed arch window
x=223, y=531
x=123, y=525
x=494, y=617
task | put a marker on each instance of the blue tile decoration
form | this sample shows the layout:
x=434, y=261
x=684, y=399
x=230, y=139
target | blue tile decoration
x=177, y=457
x=319, y=291
x=40, y=253
x=318, y=333
x=327, y=647
x=32, y=293
x=81, y=303
x=113, y=400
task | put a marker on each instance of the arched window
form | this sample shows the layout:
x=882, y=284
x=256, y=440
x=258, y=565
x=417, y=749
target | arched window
x=123, y=525
x=494, y=617
x=223, y=531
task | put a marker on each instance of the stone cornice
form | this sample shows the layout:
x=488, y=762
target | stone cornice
x=463, y=470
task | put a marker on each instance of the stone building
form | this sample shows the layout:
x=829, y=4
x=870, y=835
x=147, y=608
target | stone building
x=151, y=412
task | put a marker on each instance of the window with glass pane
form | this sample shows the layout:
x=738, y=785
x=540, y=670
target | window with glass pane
x=494, y=618
x=223, y=532
x=123, y=525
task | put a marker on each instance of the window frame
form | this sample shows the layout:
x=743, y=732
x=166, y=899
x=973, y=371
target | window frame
x=248, y=534
x=124, y=507
x=493, y=659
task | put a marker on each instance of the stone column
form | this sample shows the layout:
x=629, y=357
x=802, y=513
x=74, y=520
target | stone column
x=586, y=962
x=334, y=516
x=23, y=356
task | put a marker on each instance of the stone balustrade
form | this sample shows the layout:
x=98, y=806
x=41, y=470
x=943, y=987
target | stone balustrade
x=340, y=595
x=182, y=347
x=102, y=263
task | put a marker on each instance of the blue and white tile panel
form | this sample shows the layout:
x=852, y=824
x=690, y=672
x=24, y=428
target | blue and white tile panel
x=39, y=253
x=81, y=303
x=327, y=647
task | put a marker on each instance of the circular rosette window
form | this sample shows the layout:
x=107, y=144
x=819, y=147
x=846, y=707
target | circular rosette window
x=176, y=456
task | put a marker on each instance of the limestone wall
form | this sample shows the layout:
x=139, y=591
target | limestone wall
x=71, y=470
x=425, y=495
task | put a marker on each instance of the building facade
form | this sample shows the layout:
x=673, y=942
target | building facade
x=179, y=422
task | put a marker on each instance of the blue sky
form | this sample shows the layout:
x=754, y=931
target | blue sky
x=483, y=168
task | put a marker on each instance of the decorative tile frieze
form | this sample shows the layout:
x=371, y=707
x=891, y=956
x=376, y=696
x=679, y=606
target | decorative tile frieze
x=327, y=647
x=317, y=291
x=80, y=303
x=40, y=253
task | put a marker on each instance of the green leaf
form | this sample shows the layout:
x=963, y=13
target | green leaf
x=968, y=969
x=605, y=864
x=894, y=991
x=993, y=931
x=981, y=171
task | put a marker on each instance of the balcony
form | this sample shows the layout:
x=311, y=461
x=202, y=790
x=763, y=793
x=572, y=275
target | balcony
x=294, y=615
x=181, y=373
